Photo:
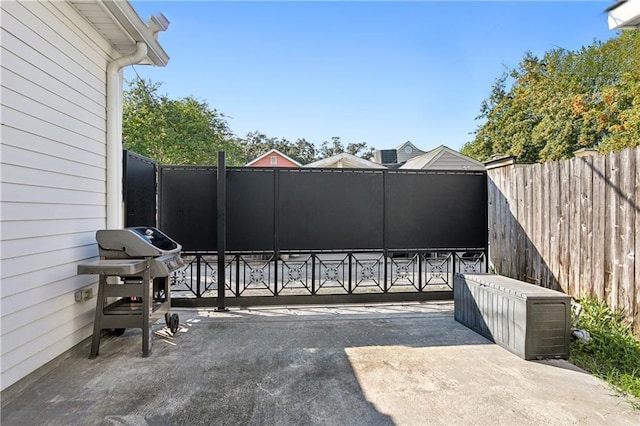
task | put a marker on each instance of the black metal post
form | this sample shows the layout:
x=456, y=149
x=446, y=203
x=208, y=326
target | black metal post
x=385, y=249
x=454, y=269
x=237, y=275
x=313, y=274
x=350, y=288
x=385, y=285
x=275, y=276
x=198, y=260
x=222, y=228
x=276, y=227
x=420, y=257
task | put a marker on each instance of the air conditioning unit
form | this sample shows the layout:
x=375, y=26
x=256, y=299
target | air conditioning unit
x=385, y=156
x=531, y=321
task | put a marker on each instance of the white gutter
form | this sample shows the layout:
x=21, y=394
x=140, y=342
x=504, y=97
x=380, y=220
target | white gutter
x=624, y=15
x=115, y=208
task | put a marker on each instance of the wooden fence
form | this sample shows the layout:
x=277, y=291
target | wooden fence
x=572, y=225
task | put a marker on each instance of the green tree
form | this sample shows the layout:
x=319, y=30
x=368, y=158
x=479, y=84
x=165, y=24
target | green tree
x=174, y=131
x=255, y=144
x=360, y=149
x=549, y=107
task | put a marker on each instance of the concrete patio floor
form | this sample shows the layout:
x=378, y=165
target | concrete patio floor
x=406, y=364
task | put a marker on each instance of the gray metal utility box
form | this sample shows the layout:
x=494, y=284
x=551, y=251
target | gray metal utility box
x=532, y=322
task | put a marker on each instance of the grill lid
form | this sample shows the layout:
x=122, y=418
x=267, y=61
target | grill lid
x=135, y=242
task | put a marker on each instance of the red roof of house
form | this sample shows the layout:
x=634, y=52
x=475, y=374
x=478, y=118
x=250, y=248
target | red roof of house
x=273, y=158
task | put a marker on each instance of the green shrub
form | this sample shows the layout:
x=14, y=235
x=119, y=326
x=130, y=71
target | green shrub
x=613, y=353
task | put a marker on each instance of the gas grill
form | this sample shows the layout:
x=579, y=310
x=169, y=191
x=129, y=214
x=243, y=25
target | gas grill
x=141, y=259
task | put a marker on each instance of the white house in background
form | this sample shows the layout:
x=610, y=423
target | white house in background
x=345, y=161
x=624, y=14
x=443, y=158
x=61, y=165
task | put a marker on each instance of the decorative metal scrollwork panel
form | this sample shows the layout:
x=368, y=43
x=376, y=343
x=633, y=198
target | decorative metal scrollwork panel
x=404, y=272
x=333, y=274
x=299, y=274
x=295, y=275
x=470, y=262
x=253, y=274
x=199, y=277
x=438, y=269
x=368, y=273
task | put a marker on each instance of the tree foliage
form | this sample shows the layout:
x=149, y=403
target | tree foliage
x=174, y=131
x=359, y=149
x=549, y=107
x=255, y=144
x=188, y=131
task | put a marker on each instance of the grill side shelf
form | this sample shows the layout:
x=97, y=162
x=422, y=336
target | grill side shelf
x=113, y=267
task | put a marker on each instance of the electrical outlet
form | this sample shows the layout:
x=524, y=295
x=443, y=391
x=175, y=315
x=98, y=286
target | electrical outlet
x=87, y=293
x=83, y=295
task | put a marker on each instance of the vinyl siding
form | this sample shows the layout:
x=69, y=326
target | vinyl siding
x=52, y=179
x=280, y=162
x=448, y=161
x=403, y=156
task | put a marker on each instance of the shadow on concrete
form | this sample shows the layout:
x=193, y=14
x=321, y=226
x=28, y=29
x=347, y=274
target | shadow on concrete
x=255, y=366
x=322, y=365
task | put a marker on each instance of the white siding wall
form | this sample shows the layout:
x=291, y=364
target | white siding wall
x=52, y=161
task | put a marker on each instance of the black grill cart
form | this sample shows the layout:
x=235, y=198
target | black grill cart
x=134, y=287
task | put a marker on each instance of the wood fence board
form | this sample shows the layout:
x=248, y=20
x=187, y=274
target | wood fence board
x=636, y=204
x=586, y=221
x=576, y=225
x=513, y=223
x=554, y=226
x=525, y=214
x=520, y=223
x=565, y=217
x=545, y=229
x=534, y=201
x=506, y=262
x=535, y=235
x=599, y=215
x=498, y=245
x=626, y=296
x=499, y=260
x=612, y=231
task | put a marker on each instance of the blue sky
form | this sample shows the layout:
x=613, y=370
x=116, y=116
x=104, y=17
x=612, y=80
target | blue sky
x=378, y=72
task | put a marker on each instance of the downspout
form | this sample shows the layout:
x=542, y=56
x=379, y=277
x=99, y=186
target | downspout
x=114, y=134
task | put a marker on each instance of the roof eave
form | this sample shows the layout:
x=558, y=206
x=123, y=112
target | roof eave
x=129, y=19
x=122, y=27
x=624, y=15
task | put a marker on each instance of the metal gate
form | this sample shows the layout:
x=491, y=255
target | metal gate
x=139, y=190
x=298, y=235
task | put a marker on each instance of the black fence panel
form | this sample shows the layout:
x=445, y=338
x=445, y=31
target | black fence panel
x=250, y=209
x=435, y=210
x=314, y=210
x=188, y=206
x=330, y=209
x=139, y=190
